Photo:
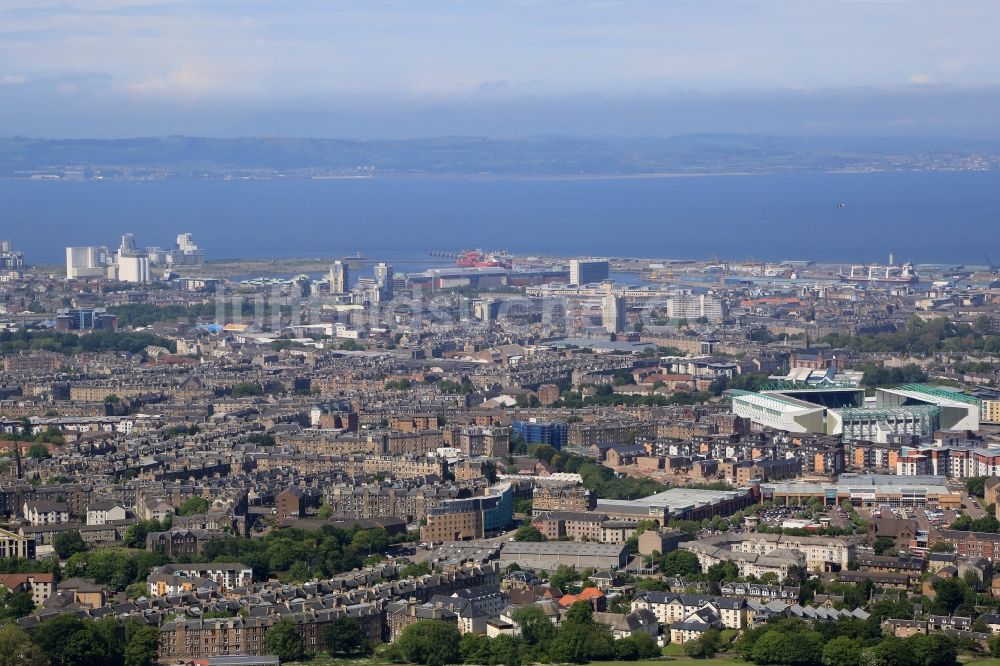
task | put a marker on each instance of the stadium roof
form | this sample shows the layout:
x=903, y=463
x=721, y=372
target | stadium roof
x=935, y=394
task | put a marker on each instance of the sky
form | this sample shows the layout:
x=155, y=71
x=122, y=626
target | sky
x=404, y=68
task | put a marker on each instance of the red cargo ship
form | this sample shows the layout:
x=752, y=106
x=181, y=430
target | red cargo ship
x=480, y=259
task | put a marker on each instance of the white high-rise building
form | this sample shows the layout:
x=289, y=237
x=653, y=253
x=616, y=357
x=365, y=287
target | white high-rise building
x=383, y=278
x=613, y=314
x=186, y=252
x=694, y=306
x=185, y=243
x=128, y=245
x=84, y=262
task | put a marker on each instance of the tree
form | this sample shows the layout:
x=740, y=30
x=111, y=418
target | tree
x=431, y=643
x=53, y=634
x=842, y=651
x=528, y=532
x=536, y=629
x=563, y=576
x=652, y=585
x=770, y=648
x=192, y=506
x=71, y=641
x=935, y=650
x=474, y=648
x=284, y=640
x=891, y=651
x=415, y=569
x=722, y=571
x=67, y=544
x=883, y=544
x=581, y=612
x=570, y=644
x=680, y=563
x=505, y=650
x=951, y=593
x=141, y=644
x=135, y=534
x=38, y=452
x=626, y=650
x=976, y=486
x=344, y=636
x=16, y=648
x=89, y=648
x=646, y=645
x=14, y=605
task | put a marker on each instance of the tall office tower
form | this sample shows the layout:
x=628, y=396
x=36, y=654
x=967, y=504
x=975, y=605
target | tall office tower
x=185, y=243
x=128, y=245
x=185, y=252
x=383, y=278
x=340, y=282
x=588, y=271
x=9, y=258
x=613, y=314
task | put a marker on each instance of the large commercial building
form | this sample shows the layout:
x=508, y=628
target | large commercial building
x=16, y=545
x=132, y=265
x=819, y=553
x=470, y=518
x=867, y=490
x=681, y=503
x=85, y=262
x=912, y=409
x=85, y=319
x=549, y=555
x=588, y=271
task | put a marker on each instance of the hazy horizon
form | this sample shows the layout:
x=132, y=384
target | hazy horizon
x=384, y=69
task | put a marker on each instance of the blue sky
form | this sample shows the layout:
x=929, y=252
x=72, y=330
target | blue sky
x=376, y=68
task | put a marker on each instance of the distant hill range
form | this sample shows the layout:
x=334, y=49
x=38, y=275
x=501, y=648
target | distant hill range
x=545, y=156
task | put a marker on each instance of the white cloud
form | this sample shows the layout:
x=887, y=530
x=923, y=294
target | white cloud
x=11, y=80
x=187, y=80
x=919, y=79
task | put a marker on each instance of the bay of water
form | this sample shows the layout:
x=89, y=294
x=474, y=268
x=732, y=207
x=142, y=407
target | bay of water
x=950, y=217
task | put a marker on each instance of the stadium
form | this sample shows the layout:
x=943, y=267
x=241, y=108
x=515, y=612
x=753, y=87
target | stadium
x=911, y=409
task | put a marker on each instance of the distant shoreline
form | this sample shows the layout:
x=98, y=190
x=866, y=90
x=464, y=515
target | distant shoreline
x=495, y=177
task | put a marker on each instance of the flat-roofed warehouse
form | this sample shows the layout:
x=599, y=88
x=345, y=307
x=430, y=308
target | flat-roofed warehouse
x=548, y=555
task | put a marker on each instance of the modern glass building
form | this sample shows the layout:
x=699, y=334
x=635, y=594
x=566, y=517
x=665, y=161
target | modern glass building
x=553, y=433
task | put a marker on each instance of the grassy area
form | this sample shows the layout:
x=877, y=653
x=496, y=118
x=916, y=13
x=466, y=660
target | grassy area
x=323, y=659
x=717, y=661
x=976, y=661
x=672, y=652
